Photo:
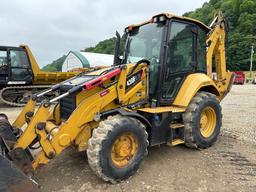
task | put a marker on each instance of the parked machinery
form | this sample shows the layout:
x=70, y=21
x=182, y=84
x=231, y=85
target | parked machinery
x=20, y=75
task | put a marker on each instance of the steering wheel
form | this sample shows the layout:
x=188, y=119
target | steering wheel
x=3, y=68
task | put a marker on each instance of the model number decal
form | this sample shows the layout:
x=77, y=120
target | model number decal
x=131, y=81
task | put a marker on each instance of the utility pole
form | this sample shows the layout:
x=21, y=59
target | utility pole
x=252, y=52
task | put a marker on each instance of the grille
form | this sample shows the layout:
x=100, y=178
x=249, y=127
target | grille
x=67, y=104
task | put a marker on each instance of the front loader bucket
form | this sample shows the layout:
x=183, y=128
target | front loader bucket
x=13, y=180
x=7, y=132
x=8, y=137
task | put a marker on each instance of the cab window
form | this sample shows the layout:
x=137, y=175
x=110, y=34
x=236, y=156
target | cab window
x=19, y=59
x=3, y=58
x=180, y=47
x=201, y=63
x=180, y=58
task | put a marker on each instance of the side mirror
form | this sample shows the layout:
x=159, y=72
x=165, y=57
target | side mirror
x=117, y=60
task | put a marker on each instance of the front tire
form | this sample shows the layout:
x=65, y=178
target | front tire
x=202, y=121
x=117, y=147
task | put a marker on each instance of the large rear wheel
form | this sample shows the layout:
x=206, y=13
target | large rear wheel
x=117, y=148
x=202, y=120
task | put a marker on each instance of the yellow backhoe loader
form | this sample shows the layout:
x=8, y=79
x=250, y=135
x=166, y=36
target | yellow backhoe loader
x=161, y=92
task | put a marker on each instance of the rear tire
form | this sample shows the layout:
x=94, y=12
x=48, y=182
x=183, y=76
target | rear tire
x=117, y=147
x=202, y=121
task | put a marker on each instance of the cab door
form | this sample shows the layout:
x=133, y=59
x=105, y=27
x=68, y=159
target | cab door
x=20, y=72
x=180, y=59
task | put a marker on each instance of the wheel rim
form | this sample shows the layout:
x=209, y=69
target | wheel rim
x=207, y=122
x=124, y=150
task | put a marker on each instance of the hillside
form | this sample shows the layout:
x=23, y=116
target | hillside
x=241, y=16
x=55, y=65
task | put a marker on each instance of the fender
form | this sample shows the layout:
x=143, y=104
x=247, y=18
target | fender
x=192, y=84
x=124, y=112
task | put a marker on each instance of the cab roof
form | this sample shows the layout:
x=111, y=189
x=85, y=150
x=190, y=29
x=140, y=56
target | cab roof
x=172, y=16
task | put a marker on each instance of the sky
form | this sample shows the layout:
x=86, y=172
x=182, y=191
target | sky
x=52, y=28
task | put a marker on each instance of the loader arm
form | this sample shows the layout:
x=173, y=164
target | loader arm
x=43, y=128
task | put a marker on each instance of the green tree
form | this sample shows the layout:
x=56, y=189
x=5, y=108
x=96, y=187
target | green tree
x=241, y=16
x=55, y=65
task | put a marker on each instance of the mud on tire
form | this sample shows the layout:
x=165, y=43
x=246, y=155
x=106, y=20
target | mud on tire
x=193, y=136
x=100, y=147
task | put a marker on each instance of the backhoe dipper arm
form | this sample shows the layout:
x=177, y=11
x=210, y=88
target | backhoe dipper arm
x=216, y=50
x=216, y=47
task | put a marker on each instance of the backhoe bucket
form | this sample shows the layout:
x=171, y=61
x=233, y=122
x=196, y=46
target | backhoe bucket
x=8, y=137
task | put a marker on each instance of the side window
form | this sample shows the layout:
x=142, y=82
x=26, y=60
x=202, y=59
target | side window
x=20, y=67
x=19, y=59
x=201, y=65
x=180, y=47
x=137, y=49
x=3, y=58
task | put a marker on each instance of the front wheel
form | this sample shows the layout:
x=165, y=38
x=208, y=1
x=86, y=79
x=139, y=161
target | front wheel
x=117, y=148
x=202, y=120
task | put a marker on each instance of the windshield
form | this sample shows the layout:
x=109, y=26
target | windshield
x=144, y=43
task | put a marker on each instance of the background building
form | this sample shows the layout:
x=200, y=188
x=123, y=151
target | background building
x=80, y=59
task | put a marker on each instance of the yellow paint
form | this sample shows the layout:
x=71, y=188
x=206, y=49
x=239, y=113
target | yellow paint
x=64, y=140
x=51, y=128
x=169, y=16
x=56, y=114
x=40, y=160
x=44, y=142
x=208, y=122
x=81, y=140
x=217, y=49
x=163, y=109
x=20, y=121
x=30, y=134
x=176, y=142
x=124, y=150
x=191, y=86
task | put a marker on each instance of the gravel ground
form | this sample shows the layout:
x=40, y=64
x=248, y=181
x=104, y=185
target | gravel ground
x=229, y=165
x=239, y=109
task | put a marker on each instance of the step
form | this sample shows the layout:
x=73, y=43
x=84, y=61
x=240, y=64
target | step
x=173, y=109
x=176, y=142
x=177, y=125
